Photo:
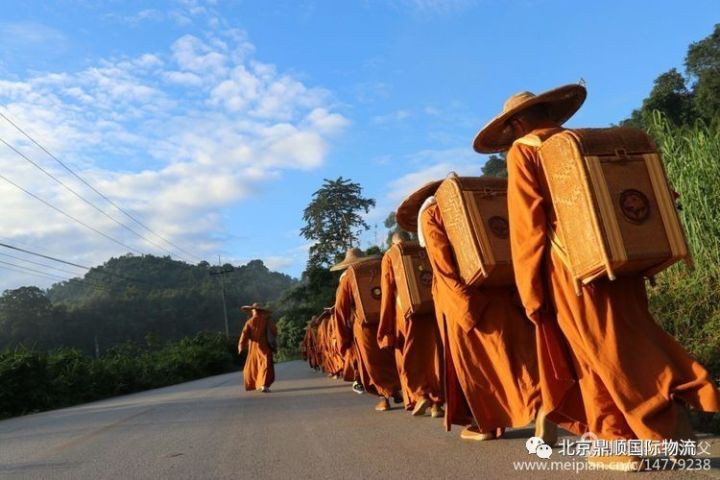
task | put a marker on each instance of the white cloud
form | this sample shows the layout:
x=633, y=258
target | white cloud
x=174, y=136
x=182, y=13
x=30, y=33
x=425, y=166
x=396, y=116
x=436, y=6
x=435, y=165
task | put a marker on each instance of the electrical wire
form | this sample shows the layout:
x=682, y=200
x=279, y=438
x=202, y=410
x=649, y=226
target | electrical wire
x=83, y=199
x=91, y=187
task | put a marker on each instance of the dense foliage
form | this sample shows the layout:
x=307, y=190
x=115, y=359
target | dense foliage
x=333, y=220
x=132, y=298
x=34, y=380
x=683, y=300
x=687, y=98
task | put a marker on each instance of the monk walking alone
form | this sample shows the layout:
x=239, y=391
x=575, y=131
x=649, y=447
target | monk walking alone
x=635, y=379
x=256, y=338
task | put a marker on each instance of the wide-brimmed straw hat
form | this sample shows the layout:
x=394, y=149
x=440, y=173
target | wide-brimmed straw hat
x=254, y=306
x=407, y=213
x=561, y=102
x=352, y=257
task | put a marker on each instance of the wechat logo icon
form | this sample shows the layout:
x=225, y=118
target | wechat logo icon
x=536, y=445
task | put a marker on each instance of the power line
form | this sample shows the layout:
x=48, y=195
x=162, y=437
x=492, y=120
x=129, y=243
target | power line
x=68, y=215
x=103, y=196
x=27, y=270
x=38, y=263
x=88, y=202
x=16, y=270
x=55, y=259
x=43, y=256
x=32, y=270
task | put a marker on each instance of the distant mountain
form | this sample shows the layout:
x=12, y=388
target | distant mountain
x=136, y=298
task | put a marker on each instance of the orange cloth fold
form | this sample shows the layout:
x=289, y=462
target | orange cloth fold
x=259, y=370
x=628, y=369
x=376, y=367
x=415, y=342
x=490, y=352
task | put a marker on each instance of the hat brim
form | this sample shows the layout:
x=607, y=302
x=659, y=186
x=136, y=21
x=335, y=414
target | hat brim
x=406, y=215
x=562, y=102
x=249, y=308
x=349, y=263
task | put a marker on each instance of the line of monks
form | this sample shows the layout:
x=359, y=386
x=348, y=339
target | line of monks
x=497, y=357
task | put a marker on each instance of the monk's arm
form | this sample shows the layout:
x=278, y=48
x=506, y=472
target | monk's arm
x=244, y=337
x=386, y=327
x=528, y=226
x=444, y=267
x=343, y=313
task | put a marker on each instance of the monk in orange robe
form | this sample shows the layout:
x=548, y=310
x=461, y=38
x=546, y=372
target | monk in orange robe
x=635, y=379
x=491, y=376
x=416, y=343
x=259, y=370
x=308, y=345
x=342, y=365
x=329, y=357
x=376, y=367
x=337, y=360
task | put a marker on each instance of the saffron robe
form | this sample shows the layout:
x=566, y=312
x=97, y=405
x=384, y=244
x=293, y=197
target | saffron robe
x=259, y=370
x=376, y=367
x=490, y=357
x=610, y=369
x=415, y=342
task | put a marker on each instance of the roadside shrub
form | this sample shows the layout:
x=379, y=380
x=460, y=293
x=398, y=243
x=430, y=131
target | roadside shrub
x=33, y=381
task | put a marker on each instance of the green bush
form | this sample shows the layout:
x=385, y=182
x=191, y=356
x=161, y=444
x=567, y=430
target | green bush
x=687, y=301
x=34, y=381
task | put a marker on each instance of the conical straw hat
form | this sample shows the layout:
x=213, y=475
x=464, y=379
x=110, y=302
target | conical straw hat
x=562, y=103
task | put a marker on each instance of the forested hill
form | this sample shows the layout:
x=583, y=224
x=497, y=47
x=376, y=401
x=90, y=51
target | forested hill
x=143, y=299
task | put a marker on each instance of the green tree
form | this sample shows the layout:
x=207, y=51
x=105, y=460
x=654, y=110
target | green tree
x=333, y=220
x=669, y=96
x=702, y=64
x=26, y=317
x=495, y=166
x=686, y=99
x=392, y=226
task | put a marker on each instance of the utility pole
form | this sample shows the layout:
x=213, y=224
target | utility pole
x=223, y=271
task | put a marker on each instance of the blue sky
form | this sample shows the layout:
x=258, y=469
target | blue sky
x=214, y=121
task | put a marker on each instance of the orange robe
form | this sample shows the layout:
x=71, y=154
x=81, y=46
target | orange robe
x=259, y=370
x=490, y=357
x=350, y=368
x=628, y=369
x=415, y=341
x=322, y=343
x=306, y=347
x=376, y=367
x=336, y=359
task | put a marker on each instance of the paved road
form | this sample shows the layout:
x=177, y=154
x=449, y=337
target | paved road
x=309, y=427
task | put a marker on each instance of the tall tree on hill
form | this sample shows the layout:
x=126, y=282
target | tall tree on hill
x=333, y=220
x=669, y=95
x=703, y=67
x=685, y=99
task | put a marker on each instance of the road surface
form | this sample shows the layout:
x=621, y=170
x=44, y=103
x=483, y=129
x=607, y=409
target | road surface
x=309, y=427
